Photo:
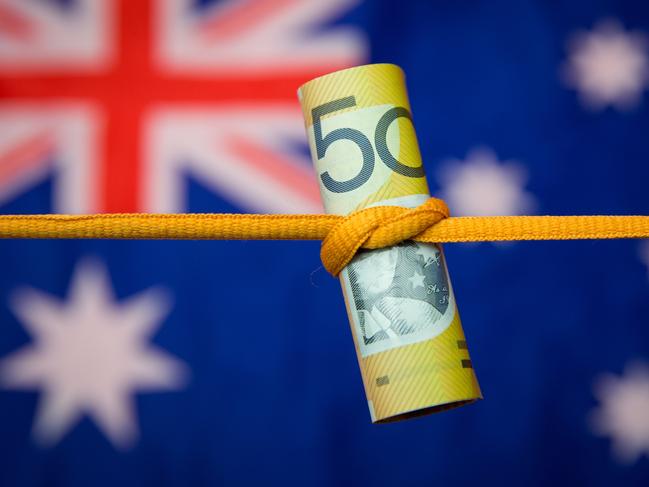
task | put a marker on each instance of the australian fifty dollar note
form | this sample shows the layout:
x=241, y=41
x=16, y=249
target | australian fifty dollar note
x=405, y=324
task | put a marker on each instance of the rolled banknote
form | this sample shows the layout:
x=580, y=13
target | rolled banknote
x=407, y=332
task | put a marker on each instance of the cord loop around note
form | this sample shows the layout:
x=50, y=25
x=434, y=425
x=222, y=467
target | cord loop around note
x=377, y=227
x=370, y=228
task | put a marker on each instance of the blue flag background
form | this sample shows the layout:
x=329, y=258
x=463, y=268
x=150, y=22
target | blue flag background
x=271, y=392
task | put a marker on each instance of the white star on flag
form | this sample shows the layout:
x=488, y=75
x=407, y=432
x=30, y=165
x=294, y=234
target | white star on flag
x=624, y=412
x=483, y=186
x=608, y=66
x=89, y=356
x=644, y=253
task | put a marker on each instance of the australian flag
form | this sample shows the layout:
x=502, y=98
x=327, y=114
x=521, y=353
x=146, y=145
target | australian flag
x=231, y=363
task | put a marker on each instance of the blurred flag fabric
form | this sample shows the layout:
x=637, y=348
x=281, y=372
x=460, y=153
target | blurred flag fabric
x=209, y=363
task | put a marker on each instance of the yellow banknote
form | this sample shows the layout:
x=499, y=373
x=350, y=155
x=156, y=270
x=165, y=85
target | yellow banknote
x=407, y=332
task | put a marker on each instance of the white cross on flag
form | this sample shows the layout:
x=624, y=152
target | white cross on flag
x=121, y=99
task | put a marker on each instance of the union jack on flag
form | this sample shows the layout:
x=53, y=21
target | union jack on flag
x=120, y=99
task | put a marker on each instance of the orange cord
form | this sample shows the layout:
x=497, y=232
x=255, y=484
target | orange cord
x=342, y=236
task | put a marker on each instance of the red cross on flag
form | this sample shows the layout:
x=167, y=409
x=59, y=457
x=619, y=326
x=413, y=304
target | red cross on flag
x=118, y=99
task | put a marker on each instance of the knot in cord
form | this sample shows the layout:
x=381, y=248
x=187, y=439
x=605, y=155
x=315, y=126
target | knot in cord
x=375, y=228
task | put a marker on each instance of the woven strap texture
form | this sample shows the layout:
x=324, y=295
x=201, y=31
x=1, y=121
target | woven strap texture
x=371, y=228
